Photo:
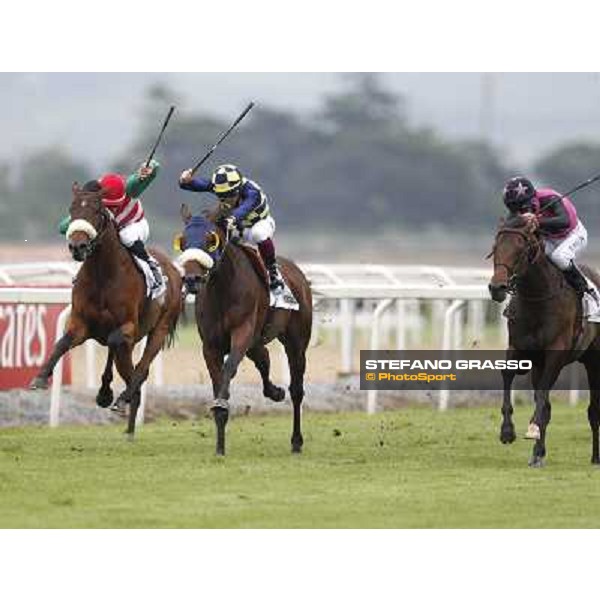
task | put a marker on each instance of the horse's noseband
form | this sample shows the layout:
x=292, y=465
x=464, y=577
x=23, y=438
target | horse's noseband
x=94, y=242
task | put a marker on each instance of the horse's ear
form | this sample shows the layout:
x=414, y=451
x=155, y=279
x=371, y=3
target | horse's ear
x=75, y=187
x=186, y=214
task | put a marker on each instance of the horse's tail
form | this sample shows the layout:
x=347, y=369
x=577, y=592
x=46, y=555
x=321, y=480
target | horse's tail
x=172, y=334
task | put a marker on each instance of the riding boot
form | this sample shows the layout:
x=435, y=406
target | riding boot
x=267, y=253
x=575, y=278
x=139, y=250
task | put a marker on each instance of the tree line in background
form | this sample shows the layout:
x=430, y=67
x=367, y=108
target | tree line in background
x=357, y=165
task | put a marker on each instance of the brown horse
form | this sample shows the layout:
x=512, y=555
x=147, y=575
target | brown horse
x=109, y=303
x=545, y=326
x=234, y=318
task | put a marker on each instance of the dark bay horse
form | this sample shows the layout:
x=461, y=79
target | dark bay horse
x=109, y=303
x=545, y=326
x=234, y=318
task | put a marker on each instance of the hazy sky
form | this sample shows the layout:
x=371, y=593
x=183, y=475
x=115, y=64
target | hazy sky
x=93, y=115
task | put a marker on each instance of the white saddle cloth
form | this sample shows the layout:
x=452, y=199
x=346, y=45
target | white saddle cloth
x=151, y=292
x=283, y=299
x=591, y=307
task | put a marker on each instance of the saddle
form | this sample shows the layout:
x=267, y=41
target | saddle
x=257, y=262
x=152, y=292
x=287, y=301
x=579, y=329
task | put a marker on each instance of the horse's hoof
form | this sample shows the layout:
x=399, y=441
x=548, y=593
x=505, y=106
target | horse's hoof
x=536, y=462
x=533, y=432
x=596, y=460
x=118, y=408
x=130, y=437
x=296, y=449
x=508, y=435
x=39, y=383
x=105, y=398
x=275, y=393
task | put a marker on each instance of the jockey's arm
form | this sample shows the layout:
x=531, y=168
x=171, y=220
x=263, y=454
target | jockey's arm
x=197, y=184
x=136, y=185
x=250, y=200
x=557, y=221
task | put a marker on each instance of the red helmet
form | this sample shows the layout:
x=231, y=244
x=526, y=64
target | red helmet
x=113, y=185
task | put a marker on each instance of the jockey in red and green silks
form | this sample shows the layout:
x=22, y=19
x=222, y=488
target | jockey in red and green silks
x=121, y=197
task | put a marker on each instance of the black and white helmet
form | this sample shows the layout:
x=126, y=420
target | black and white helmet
x=226, y=180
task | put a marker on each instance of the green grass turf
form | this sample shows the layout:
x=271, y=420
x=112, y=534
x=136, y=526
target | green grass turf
x=410, y=468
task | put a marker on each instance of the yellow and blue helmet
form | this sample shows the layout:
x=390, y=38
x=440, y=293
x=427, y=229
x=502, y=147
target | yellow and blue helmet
x=226, y=180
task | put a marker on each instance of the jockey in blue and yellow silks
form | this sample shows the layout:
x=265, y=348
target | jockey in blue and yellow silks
x=249, y=212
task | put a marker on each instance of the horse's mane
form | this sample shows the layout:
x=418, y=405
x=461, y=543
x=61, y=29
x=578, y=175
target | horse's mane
x=514, y=221
x=90, y=190
x=214, y=213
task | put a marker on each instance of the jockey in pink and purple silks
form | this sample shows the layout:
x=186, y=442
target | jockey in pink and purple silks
x=563, y=233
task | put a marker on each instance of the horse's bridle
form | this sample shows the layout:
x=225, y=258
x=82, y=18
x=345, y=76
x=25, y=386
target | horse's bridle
x=105, y=219
x=100, y=210
x=514, y=272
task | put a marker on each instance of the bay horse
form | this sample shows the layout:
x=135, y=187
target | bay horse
x=545, y=325
x=234, y=318
x=109, y=303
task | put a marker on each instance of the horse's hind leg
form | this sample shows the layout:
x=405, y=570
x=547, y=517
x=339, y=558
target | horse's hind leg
x=594, y=408
x=104, y=397
x=296, y=353
x=259, y=355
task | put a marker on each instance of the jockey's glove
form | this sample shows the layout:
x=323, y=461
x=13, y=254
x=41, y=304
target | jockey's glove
x=230, y=223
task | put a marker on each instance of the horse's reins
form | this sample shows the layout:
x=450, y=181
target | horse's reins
x=512, y=272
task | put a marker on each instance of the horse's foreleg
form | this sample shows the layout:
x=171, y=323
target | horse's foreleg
x=121, y=342
x=104, y=398
x=76, y=334
x=241, y=339
x=543, y=378
x=259, y=355
x=213, y=356
x=507, y=429
x=594, y=408
x=124, y=364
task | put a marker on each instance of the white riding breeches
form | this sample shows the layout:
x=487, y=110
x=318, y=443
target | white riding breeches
x=260, y=231
x=134, y=232
x=562, y=252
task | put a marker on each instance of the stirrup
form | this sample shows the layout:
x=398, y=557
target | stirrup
x=593, y=293
x=276, y=281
